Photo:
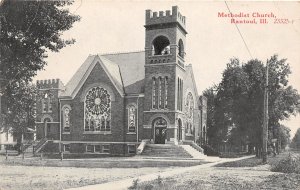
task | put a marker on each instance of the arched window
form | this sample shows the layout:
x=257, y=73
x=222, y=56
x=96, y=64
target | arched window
x=131, y=119
x=161, y=45
x=97, y=107
x=189, y=111
x=180, y=49
x=66, y=119
x=47, y=103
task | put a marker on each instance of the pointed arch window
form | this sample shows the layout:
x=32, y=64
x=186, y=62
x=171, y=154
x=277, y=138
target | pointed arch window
x=189, y=112
x=66, y=119
x=132, y=119
x=97, y=107
x=180, y=48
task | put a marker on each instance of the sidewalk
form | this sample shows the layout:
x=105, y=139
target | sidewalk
x=125, y=183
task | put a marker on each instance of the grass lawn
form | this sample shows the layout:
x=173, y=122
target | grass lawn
x=252, y=162
x=50, y=178
x=225, y=179
x=248, y=174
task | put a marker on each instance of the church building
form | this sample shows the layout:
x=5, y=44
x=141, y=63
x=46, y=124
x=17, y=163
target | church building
x=115, y=101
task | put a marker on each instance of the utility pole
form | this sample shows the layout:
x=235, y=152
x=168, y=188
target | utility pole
x=266, y=117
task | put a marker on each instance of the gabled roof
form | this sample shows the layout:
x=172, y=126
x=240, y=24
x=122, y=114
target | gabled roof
x=74, y=81
x=78, y=79
x=126, y=71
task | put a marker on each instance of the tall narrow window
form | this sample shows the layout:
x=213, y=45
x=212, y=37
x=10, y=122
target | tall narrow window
x=97, y=110
x=44, y=106
x=189, y=111
x=66, y=119
x=49, y=101
x=166, y=92
x=153, y=93
x=131, y=119
x=159, y=93
x=178, y=89
x=181, y=95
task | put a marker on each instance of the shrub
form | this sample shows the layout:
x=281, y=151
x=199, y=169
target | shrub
x=159, y=180
x=289, y=164
x=134, y=184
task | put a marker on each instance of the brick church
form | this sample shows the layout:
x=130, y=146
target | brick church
x=115, y=101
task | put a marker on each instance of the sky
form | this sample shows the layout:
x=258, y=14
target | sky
x=118, y=26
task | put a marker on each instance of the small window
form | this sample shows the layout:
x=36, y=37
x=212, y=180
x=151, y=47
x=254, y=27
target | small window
x=131, y=149
x=66, y=147
x=90, y=148
x=97, y=148
x=106, y=148
x=180, y=49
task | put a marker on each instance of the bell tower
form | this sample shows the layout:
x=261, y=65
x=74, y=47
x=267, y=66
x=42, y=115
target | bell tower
x=165, y=37
x=164, y=59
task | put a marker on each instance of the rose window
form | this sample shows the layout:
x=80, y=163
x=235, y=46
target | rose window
x=97, y=110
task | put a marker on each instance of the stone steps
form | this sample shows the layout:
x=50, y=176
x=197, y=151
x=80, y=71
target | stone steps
x=166, y=150
x=193, y=152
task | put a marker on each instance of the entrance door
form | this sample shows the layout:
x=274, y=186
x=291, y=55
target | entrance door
x=160, y=135
x=47, y=129
x=160, y=130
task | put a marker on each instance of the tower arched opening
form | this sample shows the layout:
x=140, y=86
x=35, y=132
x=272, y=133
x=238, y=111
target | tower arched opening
x=161, y=46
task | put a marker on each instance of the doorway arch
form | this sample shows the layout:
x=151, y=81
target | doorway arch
x=160, y=130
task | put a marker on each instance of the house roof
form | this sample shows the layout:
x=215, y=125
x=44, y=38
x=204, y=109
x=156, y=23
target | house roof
x=125, y=70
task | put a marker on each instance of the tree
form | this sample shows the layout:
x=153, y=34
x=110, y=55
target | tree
x=239, y=101
x=283, y=134
x=296, y=140
x=28, y=29
x=20, y=118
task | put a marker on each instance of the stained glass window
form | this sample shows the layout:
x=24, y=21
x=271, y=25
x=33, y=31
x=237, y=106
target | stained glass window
x=131, y=119
x=66, y=119
x=189, y=111
x=97, y=110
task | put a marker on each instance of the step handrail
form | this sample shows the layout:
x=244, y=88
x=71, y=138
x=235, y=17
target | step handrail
x=37, y=147
x=194, y=145
x=142, y=146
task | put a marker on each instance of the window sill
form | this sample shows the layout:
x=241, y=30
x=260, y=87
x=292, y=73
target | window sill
x=131, y=133
x=98, y=132
x=190, y=135
x=66, y=133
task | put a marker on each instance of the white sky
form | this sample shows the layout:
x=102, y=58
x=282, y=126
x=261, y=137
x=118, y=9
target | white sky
x=117, y=26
